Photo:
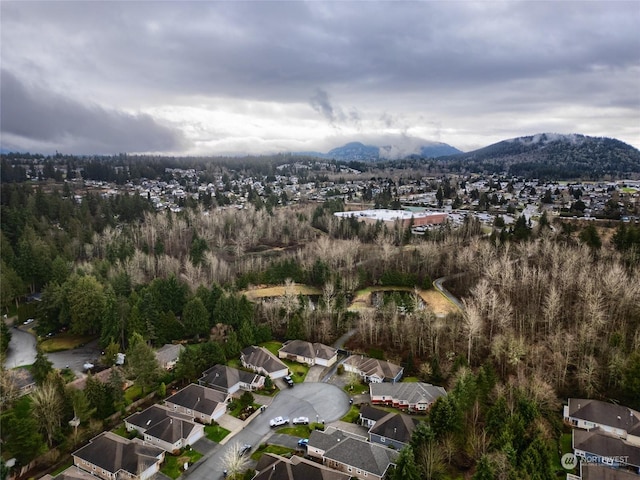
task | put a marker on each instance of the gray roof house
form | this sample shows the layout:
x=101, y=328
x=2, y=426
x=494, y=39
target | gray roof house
x=373, y=370
x=309, y=353
x=608, y=417
x=597, y=446
x=110, y=456
x=275, y=467
x=229, y=380
x=167, y=429
x=168, y=355
x=198, y=402
x=590, y=471
x=351, y=454
x=262, y=361
x=389, y=429
x=410, y=396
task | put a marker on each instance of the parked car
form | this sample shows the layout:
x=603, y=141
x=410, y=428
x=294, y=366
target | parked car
x=246, y=448
x=28, y=321
x=288, y=380
x=278, y=421
x=303, y=442
x=301, y=421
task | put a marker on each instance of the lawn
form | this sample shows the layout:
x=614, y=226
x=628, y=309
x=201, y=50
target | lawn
x=272, y=346
x=302, y=431
x=173, y=465
x=62, y=467
x=133, y=393
x=215, y=433
x=121, y=430
x=357, y=389
x=298, y=371
x=352, y=415
x=239, y=408
x=276, y=449
x=65, y=341
x=410, y=379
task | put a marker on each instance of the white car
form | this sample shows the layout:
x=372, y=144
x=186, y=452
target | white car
x=279, y=421
x=301, y=421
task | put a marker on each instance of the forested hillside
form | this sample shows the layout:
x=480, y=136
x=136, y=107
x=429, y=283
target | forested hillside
x=546, y=315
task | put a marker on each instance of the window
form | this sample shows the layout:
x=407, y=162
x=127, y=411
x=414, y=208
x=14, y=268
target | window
x=383, y=440
x=358, y=471
x=349, y=469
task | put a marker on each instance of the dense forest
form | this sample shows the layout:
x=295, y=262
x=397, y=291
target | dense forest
x=548, y=312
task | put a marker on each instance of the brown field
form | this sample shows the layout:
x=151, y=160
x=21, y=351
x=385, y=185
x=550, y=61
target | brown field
x=279, y=290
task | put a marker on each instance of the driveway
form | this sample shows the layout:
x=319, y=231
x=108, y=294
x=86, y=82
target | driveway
x=314, y=400
x=76, y=357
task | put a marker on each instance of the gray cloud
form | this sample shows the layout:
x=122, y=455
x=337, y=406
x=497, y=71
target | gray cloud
x=45, y=117
x=382, y=63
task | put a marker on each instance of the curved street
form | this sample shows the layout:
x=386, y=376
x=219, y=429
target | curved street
x=314, y=400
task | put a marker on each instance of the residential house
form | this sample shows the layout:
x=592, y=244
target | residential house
x=351, y=454
x=110, y=457
x=164, y=428
x=19, y=382
x=596, y=446
x=262, y=361
x=388, y=429
x=199, y=402
x=168, y=355
x=309, y=353
x=617, y=420
x=275, y=467
x=229, y=380
x=411, y=396
x=590, y=471
x=373, y=370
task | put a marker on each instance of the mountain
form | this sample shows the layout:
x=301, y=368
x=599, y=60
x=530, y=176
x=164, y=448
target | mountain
x=551, y=155
x=399, y=149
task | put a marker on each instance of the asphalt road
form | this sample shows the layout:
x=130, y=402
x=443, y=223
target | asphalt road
x=22, y=348
x=314, y=400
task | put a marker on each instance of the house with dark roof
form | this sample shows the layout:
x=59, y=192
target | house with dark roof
x=168, y=355
x=373, y=370
x=409, y=396
x=19, y=382
x=389, y=429
x=261, y=360
x=229, y=380
x=275, y=467
x=110, y=456
x=351, y=454
x=596, y=446
x=309, y=353
x=164, y=428
x=198, y=402
x=618, y=420
x=590, y=471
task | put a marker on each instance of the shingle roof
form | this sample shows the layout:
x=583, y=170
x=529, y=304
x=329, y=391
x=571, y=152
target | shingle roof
x=113, y=453
x=274, y=467
x=598, y=443
x=371, y=413
x=396, y=426
x=308, y=349
x=412, y=392
x=171, y=430
x=374, y=367
x=226, y=377
x=600, y=472
x=152, y=416
x=262, y=358
x=168, y=353
x=366, y=456
x=605, y=413
x=198, y=398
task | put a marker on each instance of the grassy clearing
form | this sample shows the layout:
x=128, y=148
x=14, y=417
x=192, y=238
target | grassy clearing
x=216, y=433
x=65, y=341
x=298, y=371
x=352, y=415
x=133, y=393
x=276, y=449
x=272, y=346
x=357, y=389
x=302, y=431
x=279, y=290
x=173, y=465
x=411, y=379
x=121, y=430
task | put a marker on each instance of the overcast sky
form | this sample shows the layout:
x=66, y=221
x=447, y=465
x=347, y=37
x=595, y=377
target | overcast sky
x=214, y=78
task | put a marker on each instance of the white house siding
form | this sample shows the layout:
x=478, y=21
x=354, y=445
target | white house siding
x=149, y=472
